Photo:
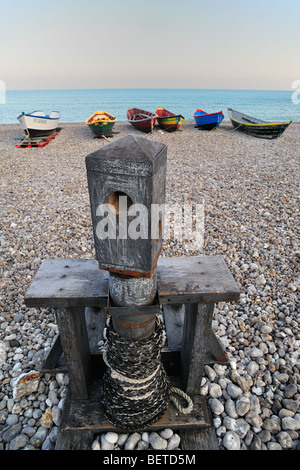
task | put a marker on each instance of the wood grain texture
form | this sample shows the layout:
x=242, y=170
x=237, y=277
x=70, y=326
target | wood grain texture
x=68, y=283
x=74, y=340
x=192, y=279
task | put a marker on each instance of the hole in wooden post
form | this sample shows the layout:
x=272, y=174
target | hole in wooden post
x=114, y=201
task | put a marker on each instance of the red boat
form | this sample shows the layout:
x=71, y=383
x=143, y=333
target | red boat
x=168, y=121
x=142, y=120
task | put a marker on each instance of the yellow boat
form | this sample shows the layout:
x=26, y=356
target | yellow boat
x=101, y=123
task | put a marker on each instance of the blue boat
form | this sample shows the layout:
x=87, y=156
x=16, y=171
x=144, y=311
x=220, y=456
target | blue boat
x=207, y=121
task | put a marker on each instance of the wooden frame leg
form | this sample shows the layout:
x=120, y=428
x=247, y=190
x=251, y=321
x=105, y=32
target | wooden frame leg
x=195, y=341
x=74, y=341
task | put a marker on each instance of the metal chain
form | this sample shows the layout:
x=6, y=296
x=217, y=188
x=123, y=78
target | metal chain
x=136, y=391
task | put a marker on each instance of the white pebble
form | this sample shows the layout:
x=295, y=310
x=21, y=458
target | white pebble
x=111, y=437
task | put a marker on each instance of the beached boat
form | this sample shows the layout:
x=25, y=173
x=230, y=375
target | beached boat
x=207, y=121
x=101, y=123
x=168, y=121
x=141, y=120
x=38, y=124
x=257, y=127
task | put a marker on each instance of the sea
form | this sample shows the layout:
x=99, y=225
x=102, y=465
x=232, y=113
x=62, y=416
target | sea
x=78, y=105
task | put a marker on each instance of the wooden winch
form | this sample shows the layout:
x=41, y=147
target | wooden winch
x=132, y=284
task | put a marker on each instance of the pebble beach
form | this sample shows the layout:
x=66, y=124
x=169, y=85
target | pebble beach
x=249, y=189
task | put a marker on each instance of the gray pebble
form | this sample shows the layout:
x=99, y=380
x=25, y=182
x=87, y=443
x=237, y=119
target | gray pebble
x=132, y=441
x=242, y=405
x=122, y=439
x=216, y=405
x=12, y=432
x=105, y=445
x=271, y=425
x=166, y=433
x=18, y=442
x=285, y=440
x=274, y=446
x=231, y=441
x=234, y=391
x=290, y=424
x=157, y=442
x=173, y=442
x=56, y=415
x=142, y=445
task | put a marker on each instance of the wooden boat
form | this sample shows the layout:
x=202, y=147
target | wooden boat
x=101, y=123
x=142, y=120
x=38, y=124
x=207, y=121
x=168, y=121
x=257, y=127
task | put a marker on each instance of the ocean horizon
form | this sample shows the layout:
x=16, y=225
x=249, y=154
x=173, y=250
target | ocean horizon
x=76, y=105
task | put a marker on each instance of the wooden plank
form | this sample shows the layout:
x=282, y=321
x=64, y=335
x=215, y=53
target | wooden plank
x=53, y=358
x=215, y=353
x=74, y=440
x=202, y=439
x=192, y=279
x=68, y=283
x=74, y=341
x=174, y=319
x=197, y=325
x=95, y=318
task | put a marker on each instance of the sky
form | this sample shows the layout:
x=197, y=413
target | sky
x=220, y=44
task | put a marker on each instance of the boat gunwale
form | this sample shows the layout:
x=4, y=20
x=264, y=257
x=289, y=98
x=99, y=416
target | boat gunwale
x=47, y=116
x=171, y=117
x=150, y=118
x=106, y=121
x=263, y=123
x=207, y=114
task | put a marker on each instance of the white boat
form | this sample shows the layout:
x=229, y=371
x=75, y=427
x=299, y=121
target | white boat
x=37, y=123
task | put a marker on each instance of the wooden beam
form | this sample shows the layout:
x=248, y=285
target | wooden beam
x=74, y=341
x=195, y=340
x=181, y=280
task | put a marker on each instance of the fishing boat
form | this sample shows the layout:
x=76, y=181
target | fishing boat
x=101, y=123
x=208, y=121
x=257, y=127
x=38, y=124
x=141, y=120
x=168, y=121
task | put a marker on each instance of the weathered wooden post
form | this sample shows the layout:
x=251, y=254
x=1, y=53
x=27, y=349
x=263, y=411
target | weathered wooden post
x=126, y=180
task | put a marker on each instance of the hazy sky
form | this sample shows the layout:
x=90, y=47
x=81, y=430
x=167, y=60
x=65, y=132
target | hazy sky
x=150, y=44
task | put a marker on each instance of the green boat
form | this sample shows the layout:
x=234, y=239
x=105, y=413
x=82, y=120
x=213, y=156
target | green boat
x=101, y=123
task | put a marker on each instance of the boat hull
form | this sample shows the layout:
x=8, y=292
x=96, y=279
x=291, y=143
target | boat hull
x=255, y=127
x=170, y=124
x=37, y=126
x=168, y=121
x=102, y=129
x=207, y=121
x=101, y=123
x=141, y=120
